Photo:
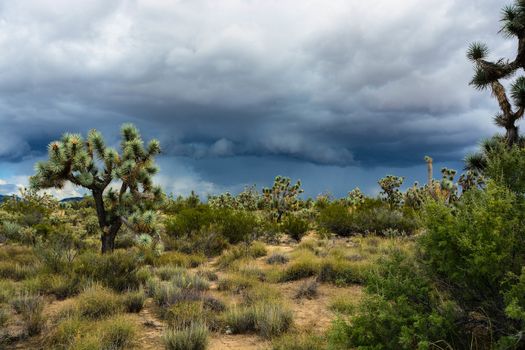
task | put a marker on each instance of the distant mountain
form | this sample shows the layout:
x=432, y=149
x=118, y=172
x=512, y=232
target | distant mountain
x=4, y=197
x=71, y=199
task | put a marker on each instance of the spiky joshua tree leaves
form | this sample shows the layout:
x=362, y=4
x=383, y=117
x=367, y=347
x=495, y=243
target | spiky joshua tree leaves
x=489, y=73
x=94, y=166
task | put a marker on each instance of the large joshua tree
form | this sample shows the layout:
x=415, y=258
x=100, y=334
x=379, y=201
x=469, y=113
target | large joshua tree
x=96, y=167
x=489, y=74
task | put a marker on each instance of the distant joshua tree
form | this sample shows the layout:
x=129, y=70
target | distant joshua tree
x=94, y=166
x=489, y=73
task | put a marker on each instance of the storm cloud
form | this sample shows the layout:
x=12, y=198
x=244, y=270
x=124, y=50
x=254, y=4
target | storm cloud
x=292, y=87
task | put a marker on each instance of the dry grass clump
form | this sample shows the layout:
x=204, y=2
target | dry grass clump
x=268, y=319
x=254, y=250
x=307, y=289
x=277, y=259
x=179, y=259
x=30, y=307
x=192, y=337
x=236, y=283
x=343, y=305
x=16, y=271
x=302, y=341
x=134, y=300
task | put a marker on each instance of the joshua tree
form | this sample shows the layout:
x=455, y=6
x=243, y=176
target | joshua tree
x=282, y=197
x=390, y=190
x=489, y=73
x=430, y=174
x=94, y=166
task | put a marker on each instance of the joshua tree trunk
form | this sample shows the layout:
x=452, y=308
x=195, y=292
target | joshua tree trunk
x=511, y=135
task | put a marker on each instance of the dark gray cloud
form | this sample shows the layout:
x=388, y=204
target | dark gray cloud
x=340, y=86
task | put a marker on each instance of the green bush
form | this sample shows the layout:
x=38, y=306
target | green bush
x=64, y=334
x=305, y=265
x=16, y=271
x=336, y=218
x=475, y=249
x=402, y=310
x=117, y=270
x=237, y=226
x=233, y=225
x=134, y=300
x=97, y=302
x=295, y=227
x=189, y=220
x=117, y=333
x=194, y=337
x=370, y=217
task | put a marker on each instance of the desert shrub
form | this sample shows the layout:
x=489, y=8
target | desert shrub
x=11, y=230
x=184, y=313
x=4, y=316
x=61, y=286
x=208, y=241
x=249, y=270
x=295, y=227
x=166, y=294
x=277, y=258
x=134, y=300
x=233, y=225
x=402, y=310
x=336, y=218
x=166, y=273
x=18, y=254
x=299, y=342
x=30, y=307
x=266, y=318
x=125, y=240
x=194, y=337
x=307, y=289
x=236, y=283
x=117, y=270
x=189, y=220
x=254, y=250
x=7, y=290
x=477, y=250
x=237, y=226
x=117, y=333
x=213, y=304
x=190, y=281
x=96, y=302
x=343, y=272
x=59, y=250
x=180, y=259
x=261, y=293
x=303, y=266
x=208, y=274
x=64, y=334
x=16, y=271
x=370, y=217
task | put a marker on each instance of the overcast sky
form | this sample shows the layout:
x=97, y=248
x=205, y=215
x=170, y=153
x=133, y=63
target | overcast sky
x=337, y=93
